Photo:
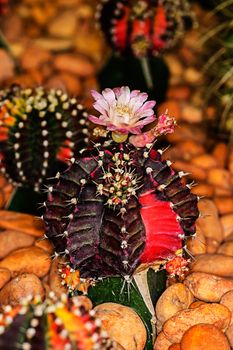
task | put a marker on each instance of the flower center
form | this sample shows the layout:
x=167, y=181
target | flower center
x=120, y=181
x=123, y=110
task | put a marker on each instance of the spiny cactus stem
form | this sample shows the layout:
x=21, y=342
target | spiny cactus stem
x=5, y=43
x=147, y=72
x=11, y=197
x=189, y=253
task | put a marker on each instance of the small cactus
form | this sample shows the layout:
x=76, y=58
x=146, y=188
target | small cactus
x=37, y=130
x=143, y=27
x=56, y=324
x=120, y=213
x=119, y=205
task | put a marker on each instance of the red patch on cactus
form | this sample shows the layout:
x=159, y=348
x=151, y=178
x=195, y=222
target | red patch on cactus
x=64, y=153
x=161, y=25
x=120, y=32
x=162, y=240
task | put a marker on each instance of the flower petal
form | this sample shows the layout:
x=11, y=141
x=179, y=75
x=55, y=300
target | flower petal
x=146, y=113
x=146, y=106
x=136, y=130
x=101, y=103
x=96, y=120
x=117, y=91
x=134, y=93
x=96, y=95
x=109, y=96
x=100, y=109
x=146, y=121
x=124, y=97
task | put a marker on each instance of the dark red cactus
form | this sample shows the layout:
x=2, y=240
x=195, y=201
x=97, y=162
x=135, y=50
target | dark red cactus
x=143, y=27
x=118, y=206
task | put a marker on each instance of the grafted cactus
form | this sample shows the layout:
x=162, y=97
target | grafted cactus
x=143, y=27
x=119, y=204
x=120, y=209
x=38, y=129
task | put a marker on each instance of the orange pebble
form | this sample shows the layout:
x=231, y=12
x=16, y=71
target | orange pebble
x=175, y=346
x=203, y=189
x=196, y=304
x=203, y=337
x=219, y=177
x=224, y=204
x=205, y=161
x=196, y=173
x=220, y=154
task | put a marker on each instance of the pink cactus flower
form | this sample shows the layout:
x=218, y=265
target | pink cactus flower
x=165, y=125
x=123, y=111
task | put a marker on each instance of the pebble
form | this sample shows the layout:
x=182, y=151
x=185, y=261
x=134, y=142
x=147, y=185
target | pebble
x=5, y=276
x=20, y=287
x=11, y=240
x=63, y=25
x=74, y=64
x=115, y=318
x=21, y=222
x=27, y=260
x=6, y=66
x=33, y=57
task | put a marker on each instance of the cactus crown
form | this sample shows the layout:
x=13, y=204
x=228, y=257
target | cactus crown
x=53, y=324
x=118, y=206
x=143, y=27
x=38, y=129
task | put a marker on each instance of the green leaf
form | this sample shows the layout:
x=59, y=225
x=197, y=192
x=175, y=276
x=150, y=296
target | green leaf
x=111, y=290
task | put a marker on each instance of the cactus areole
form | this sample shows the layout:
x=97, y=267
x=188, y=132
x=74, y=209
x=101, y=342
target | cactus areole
x=119, y=205
x=38, y=129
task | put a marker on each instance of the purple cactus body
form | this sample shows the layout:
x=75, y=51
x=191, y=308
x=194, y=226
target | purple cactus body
x=102, y=211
